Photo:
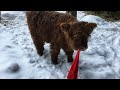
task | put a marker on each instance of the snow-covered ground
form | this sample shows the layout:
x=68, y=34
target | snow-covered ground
x=100, y=61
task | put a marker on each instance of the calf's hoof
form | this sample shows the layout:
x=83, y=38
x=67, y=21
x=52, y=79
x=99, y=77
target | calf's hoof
x=70, y=60
x=40, y=53
x=54, y=62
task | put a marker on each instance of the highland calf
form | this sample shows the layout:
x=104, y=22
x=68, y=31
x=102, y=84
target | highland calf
x=60, y=30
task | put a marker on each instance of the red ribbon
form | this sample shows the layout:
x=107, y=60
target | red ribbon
x=73, y=73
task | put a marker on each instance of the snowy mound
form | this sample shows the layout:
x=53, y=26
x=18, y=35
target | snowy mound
x=8, y=15
x=93, y=19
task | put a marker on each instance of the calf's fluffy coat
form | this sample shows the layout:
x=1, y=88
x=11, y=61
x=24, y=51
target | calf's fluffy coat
x=60, y=30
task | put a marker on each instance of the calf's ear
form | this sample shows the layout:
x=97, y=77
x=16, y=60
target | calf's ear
x=91, y=26
x=64, y=26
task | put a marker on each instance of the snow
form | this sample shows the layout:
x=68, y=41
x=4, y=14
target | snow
x=100, y=61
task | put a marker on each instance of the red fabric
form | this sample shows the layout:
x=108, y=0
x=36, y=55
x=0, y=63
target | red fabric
x=73, y=73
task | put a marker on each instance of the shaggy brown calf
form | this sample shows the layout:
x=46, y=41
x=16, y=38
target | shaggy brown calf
x=60, y=30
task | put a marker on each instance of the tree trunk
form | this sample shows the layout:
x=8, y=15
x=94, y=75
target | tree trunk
x=0, y=16
x=74, y=13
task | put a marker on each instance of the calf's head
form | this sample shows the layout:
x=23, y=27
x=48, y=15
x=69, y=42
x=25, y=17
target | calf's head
x=77, y=33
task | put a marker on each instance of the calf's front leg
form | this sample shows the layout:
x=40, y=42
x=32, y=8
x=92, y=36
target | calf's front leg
x=55, y=50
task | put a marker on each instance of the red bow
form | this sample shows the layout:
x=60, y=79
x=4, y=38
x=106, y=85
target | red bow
x=73, y=73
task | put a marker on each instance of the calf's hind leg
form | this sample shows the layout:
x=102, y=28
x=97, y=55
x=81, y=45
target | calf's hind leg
x=39, y=44
x=37, y=40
